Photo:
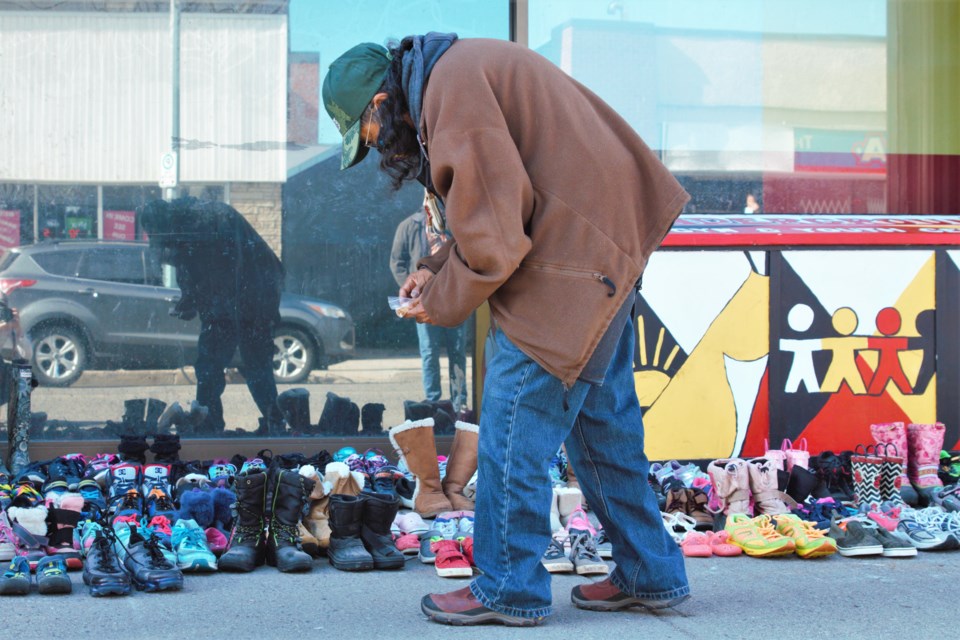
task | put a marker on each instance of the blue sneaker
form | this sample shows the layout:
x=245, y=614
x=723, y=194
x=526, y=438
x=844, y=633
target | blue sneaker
x=222, y=475
x=52, y=576
x=343, y=453
x=93, y=499
x=121, y=480
x=253, y=465
x=15, y=581
x=190, y=544
x=158, y=503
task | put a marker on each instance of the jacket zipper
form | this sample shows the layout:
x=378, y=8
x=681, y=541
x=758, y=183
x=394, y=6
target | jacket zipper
x=576, y=273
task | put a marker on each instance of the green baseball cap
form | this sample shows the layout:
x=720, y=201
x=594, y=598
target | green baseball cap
x=351, y=82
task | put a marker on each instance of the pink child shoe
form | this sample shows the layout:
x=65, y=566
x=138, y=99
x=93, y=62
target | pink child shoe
x=216, y=540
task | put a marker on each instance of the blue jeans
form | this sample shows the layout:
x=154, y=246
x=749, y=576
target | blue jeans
x=522, y=425
x=432, y=340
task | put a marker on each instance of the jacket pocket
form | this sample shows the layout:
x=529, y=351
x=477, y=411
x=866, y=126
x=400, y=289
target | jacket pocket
x=571, y=272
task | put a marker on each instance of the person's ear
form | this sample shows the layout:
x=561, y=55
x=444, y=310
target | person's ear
x=378, y=98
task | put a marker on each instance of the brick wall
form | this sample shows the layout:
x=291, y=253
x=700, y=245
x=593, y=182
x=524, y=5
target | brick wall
x=261, y=204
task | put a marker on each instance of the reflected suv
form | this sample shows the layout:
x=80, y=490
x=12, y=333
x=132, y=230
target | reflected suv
x=102, y=304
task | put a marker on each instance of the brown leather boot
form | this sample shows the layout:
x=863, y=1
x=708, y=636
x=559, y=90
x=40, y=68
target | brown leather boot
x=461, y=465
x=337, y=479
x=414, y=443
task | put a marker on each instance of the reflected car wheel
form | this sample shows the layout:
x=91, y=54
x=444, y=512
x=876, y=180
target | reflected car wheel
x=59, y=356
x=293, y=360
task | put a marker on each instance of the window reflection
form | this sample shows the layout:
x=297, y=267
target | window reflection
x=96, y=298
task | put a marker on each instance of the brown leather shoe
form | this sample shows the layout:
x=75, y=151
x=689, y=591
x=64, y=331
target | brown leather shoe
x=462, y=608
x=606, y=596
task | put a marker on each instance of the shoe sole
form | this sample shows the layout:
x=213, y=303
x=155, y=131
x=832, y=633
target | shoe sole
x=118, y=587
x=487, y=617
x=872, y=550
x=389, y=565
x=455, y=572
x=900, y=552
x=768, y=553
x=626, y=603
x=164, y=584
x=198, y=565
x=353, y=566
x=558, y=567
x=591, y=569
x=15, y=589
x=53, y=586
x=821, y=552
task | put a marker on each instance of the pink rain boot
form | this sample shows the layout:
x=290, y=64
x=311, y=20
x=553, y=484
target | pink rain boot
x=895, y=434
x=926, y=441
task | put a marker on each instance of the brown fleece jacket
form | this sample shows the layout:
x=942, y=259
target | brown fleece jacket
x=555, y=203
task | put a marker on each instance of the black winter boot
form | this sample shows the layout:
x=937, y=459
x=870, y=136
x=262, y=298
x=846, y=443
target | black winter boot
x=371, y=418
x=247, y=545
x=165, y=447
x=379, y=510
x=294, y=404
x=132, y=448
x=290, y=491
x=340, y=416
x=346, y=551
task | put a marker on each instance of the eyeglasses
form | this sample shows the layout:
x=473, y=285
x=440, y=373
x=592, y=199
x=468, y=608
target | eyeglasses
x=370, y=116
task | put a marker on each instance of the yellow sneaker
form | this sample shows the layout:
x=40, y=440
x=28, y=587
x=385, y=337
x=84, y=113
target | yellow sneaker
x=757, y=536
x=809, y=541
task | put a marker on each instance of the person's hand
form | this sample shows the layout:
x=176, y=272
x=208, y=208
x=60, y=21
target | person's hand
x=416, y=311
x=415, y=282
x=188, y=314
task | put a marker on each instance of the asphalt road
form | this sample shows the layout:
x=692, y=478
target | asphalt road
x=732, y=598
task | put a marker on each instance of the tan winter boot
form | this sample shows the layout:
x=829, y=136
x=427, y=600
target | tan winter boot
x=337, y=479
x=414, y=443
x=731, y=484
x=461, y=465
x=763, y=486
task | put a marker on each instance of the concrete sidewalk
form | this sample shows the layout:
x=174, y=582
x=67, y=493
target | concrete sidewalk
x=401, y=368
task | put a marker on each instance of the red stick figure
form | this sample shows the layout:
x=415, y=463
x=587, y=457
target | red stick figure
x=889, y=368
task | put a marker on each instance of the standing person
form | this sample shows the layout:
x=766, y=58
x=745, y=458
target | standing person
x=229, y=275
x=416, y=238
x=555, y=205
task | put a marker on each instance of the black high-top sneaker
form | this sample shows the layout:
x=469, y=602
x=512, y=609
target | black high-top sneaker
x=379, y=511
x=247, y=547
x=102, y=570
x=346, y=551
x=289, y=505
x=148, y=568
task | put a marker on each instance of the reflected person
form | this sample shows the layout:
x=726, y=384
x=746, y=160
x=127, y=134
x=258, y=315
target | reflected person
x=417, y=236
x=230, y=277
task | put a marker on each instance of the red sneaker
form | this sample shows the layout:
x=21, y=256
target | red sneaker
x=461, y=607
x=451, y=563
x=606, y=596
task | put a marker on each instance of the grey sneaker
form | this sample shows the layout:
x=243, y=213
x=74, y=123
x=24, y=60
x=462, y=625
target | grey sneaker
x=854, y=540
x=923, y=536
x=604, y=546
x=583, y=554
x=895, y=545
x=555, y=558
x=938, y=523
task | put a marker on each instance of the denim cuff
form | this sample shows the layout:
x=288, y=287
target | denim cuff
x=669, y=594
x=510, y=611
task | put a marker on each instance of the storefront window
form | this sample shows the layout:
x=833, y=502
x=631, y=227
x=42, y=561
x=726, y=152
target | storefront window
x=774, y=107
x=115, y=342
